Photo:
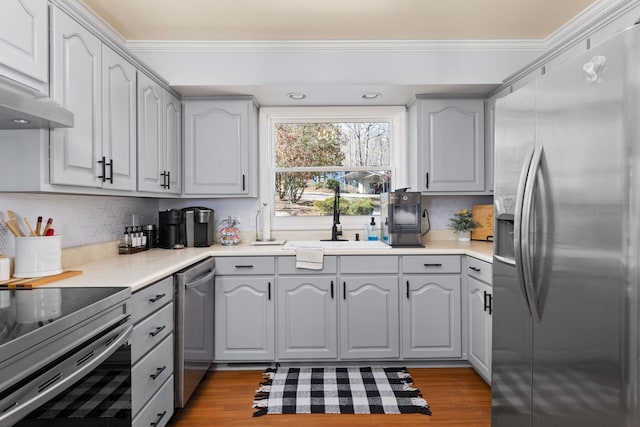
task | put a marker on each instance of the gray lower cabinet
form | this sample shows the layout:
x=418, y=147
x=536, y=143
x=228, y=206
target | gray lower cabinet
x=479, y=292
x=431, y=307
x=369, y=318
x=307, y=317
x=152, y=354
x=245, y=309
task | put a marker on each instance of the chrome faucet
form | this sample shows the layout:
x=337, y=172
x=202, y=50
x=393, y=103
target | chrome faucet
x=336, y=228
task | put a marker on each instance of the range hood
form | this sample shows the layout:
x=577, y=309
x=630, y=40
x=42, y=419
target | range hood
x=20, y=110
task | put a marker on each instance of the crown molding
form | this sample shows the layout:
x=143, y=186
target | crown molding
x=328, y=46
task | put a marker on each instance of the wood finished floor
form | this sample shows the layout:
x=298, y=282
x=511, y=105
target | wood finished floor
x=456, y=396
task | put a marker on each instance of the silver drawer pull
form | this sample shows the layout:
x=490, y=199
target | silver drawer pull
x=244, y=266
x=158, y=372
x=433, y=265
x=157, y=421
x=157, y=297
x=476, y=269
x=157, y=331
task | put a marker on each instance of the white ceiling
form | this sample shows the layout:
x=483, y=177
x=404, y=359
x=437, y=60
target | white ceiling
x=287, y=21
x=336, y=19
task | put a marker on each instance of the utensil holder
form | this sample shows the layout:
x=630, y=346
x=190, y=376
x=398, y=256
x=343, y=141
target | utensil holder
x=38, y=256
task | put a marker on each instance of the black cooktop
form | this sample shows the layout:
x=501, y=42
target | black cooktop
x=26, y=311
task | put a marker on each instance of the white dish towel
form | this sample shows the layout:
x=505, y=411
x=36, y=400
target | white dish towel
x=310, y=258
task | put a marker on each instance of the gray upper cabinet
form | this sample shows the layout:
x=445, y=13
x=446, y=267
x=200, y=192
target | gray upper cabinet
x=448, y=137
x=118, y=163
x=99, y=87
x=220, y=147
x=159, y=134
x=24, y=54
x=77, y=85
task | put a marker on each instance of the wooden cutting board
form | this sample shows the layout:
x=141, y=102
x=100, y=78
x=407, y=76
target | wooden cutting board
x=483, y=215
x=28, y=283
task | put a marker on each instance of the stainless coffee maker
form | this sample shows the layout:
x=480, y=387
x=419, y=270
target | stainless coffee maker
x=197, y=226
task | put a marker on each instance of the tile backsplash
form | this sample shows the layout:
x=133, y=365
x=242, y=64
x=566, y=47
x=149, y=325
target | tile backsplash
x=79, y=219
x=82, y=220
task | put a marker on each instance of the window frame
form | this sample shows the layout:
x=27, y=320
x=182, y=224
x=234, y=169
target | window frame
x=270, y=116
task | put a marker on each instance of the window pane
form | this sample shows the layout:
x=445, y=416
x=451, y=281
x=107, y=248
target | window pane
x=312, y=193
x=332, y=144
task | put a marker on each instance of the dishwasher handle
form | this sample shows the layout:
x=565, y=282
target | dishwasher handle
x=200, y=279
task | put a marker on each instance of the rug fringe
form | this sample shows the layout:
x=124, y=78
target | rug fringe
x=404, y=375
x=408, y=387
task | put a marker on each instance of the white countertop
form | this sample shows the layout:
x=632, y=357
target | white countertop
x=141, y=269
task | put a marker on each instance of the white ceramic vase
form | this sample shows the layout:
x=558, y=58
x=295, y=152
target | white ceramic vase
x=464, y=236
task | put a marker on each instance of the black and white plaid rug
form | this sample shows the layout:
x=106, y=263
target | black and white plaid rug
x=338, y=391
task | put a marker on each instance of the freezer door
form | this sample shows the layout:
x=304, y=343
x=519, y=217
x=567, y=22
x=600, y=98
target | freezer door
x=577, y=241
x=512, y=324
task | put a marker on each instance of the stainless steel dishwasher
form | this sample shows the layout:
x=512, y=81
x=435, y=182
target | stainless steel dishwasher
x=193, y=327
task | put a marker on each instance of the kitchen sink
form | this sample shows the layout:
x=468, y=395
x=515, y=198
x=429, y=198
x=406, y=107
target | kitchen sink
x=339, y=244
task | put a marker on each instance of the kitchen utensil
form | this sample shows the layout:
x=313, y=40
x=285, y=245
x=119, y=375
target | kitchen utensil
x=31, y=232
x=13, y=223
x=39, y=226
x=47, y=227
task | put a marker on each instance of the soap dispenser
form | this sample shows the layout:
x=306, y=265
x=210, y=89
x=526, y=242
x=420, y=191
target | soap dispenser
x=372, y=234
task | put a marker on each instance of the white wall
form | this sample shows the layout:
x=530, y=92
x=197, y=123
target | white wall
x=80, y=220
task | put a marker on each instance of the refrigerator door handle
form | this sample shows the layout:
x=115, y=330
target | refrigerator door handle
x=517, y=226
x=525, y=233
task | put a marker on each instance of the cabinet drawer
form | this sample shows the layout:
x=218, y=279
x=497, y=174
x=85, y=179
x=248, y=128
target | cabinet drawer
x=150, y=373
x=248, y=265
x=149, y=332
x=481, y=270
x=287, y=265
x=151, y=298
x=369, y=264
x=159, y=409
x=431, y=264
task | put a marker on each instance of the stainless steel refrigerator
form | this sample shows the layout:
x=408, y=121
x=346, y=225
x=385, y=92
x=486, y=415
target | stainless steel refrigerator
x=566, y=266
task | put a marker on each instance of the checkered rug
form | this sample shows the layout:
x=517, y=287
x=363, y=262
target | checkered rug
x=338, y=391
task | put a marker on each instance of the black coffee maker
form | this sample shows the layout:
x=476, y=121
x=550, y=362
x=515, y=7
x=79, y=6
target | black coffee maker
x=170, y=229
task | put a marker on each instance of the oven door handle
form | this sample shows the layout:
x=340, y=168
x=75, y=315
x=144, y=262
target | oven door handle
x=23, y=409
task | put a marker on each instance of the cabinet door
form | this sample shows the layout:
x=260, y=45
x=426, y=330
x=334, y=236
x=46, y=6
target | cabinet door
x=244, y=326
x=217, y=147
x=23, y=42
x=118, y=120
x=431, y=326
x=369, y=318
x=480, y=325
x=76, y=84
x=452, y=145
x=172, y=136
x=150, y=155
x=307, y=318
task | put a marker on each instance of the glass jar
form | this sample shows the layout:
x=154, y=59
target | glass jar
x=228, y=232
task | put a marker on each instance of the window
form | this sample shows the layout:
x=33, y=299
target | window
x=308, y=152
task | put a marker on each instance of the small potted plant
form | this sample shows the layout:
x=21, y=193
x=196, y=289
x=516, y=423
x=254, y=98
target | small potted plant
x=462, y=223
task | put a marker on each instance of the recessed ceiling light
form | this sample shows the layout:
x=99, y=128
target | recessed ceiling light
x=370, y=95
x=21, y=121
x=296, y=95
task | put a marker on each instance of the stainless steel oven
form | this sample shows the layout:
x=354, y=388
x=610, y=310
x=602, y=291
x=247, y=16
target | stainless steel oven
x=65, y=357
